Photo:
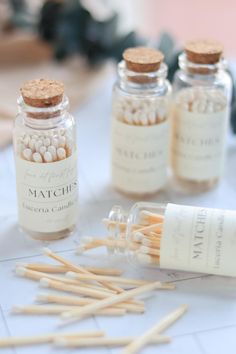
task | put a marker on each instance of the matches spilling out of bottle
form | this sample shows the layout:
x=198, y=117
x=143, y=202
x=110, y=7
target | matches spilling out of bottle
x=143, y=239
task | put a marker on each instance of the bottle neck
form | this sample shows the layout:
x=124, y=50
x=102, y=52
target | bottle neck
x=43, y=117
x=137, y=81
x=117, y=229
x=201, y=69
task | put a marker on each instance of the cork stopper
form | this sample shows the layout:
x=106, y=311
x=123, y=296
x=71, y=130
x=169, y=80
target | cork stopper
x=203, y=51
x=42, y=93
x=142, y=59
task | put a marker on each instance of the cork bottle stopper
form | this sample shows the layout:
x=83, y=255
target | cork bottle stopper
x=142, y=59
x=203, y=51
x=42, y=93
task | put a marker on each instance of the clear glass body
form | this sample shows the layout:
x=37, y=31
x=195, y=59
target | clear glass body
x=140, y=113
x=45, y=137
x=200, y=91
x=138, y=233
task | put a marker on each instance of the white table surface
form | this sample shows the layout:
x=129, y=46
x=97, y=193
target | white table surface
x=209, y=327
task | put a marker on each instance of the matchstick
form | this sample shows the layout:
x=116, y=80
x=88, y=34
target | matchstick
x=134, y=282
x=32, y=274
x=114, y=299
x=80, y=290
x=161, y=326
x=49, y=268
x=149, y=250
x=58, y=309
x=76, y=268
x=46, y=338
x=103, y=342
x=151, y=218
x=74, y=300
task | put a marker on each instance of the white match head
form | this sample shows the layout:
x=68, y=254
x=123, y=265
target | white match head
x=41, y=297
x=65, y=315
x=21, y=264
x=60, y=342
x=47, y=250
x=138, y=236
x=44, y=282
x=71, y=275
x=80, y=249
x=20, y=271
x=86, y=239
x=16, y=309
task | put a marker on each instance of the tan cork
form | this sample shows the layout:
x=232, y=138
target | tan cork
x=42, y=93
x=143, y=59
x=203, y=51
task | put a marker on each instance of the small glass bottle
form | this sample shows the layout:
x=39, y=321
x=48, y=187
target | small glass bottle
x=202, y=95
x=177, y=237
x=140, y=127
x=46, y=161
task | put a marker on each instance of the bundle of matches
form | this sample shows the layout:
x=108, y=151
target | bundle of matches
x=96, y=291
x=143, y=239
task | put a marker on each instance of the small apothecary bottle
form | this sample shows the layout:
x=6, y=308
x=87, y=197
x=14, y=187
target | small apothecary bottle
x=46, y=161
x=202, y=94
x=141, y=100
x=178, y=237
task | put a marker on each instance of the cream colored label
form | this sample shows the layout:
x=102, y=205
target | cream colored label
x=199, y=239
x=139, y=156
x=198, y=145
x=47, y=194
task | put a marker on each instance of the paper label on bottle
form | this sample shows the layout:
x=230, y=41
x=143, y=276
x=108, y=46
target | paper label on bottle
x=198, y=239
x=47, y=194
x=139, y=156
x=198, y=145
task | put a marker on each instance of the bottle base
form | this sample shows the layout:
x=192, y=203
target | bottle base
x=48, y=236
x=194, y=187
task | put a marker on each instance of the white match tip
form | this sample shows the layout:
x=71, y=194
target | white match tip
x=47, y=250
x=60, y=342
x=86, y=239
x=71, y=275
x=21, y=264
x=20, y=271
x=138, y=236
x=65, y=315
x=146, y=241
x=143, y=249
x=80, y=250
x=16, y=309
x=44, y=282
x=41, y=297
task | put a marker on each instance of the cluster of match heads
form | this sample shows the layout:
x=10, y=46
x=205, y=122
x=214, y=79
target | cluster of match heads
x=92, y=291
x=143, y=240
x=45, y=147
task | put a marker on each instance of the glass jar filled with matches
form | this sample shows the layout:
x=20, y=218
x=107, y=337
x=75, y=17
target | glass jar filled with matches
x=140, y=113
x=178, y=237
x=202, y=94
x=46, y=161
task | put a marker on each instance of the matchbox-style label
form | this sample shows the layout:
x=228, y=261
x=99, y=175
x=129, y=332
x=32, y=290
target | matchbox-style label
x=47, y=194
x=198, y=239
x=198, y=144
x=139, y=156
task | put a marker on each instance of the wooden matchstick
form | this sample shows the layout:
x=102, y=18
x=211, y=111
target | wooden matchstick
x=45, y=338
x=75, y=289
x=134, y=282
x=162, y=325
x=35, y=275
x=148, y=259
x=157, y=228
x=114, y=299
x=49, y=268
x=77, y=268
x=74, y=300
x=103, y=342
x=151, y=218
x=58, y=309
x=149, y=250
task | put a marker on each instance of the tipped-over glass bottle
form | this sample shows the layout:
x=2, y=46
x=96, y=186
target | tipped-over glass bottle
x=140, y=127
x=46, y=161
x=178, y=237
x=202, y=94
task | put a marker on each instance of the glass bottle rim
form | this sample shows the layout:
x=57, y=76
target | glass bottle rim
x=61, y=107
x=201, y=69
